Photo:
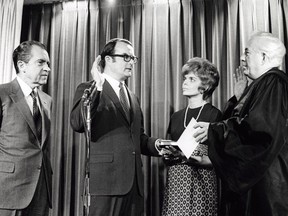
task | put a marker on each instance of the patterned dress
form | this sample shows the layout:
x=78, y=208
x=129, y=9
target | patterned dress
x=190, y=190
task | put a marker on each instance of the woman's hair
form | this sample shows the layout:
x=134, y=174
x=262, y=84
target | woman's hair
x=207, y=73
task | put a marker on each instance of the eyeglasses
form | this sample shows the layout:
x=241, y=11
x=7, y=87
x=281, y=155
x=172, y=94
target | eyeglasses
x=127, y=58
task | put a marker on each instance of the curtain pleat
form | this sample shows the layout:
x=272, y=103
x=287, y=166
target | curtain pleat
x=233, y=47
x=218, y=50
x=10, y=30
x=165, y=35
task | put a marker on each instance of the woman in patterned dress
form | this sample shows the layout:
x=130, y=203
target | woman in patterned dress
x=191, y=187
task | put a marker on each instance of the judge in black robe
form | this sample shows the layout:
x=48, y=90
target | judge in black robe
x=249, y=150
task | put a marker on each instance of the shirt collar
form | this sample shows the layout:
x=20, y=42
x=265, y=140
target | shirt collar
x=26, y=89
x=113, y=82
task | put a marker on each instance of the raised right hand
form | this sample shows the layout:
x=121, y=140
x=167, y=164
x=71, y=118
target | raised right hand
x=240, y=82
x=96, y=72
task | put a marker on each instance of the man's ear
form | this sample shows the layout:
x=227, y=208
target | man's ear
x=21, y=65
x=108, y=58
x=264, y=58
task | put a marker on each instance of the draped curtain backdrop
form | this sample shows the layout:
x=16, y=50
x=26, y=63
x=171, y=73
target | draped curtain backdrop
x=10, y=30
x=165, y=34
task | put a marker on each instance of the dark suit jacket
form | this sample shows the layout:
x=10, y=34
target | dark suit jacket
x=116, y=145
x=21, y=154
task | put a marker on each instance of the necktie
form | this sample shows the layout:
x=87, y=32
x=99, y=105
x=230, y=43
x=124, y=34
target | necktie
x=37, y=116
x=124, y=101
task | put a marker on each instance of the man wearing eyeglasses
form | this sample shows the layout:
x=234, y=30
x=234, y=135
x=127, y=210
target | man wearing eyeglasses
x=117, y=134
x=249, y=150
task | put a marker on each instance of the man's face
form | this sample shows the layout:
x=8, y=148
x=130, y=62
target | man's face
x=251, y=61
x=120, y=69
x=191, y=84
x=35, y=72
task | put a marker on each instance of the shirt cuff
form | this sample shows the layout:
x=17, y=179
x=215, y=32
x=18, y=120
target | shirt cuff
x=157, y=144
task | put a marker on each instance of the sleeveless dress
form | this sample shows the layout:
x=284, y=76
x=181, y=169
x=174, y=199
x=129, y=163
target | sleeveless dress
x=190, y=190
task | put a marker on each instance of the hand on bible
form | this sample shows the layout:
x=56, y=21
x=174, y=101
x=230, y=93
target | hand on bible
x=172, y=153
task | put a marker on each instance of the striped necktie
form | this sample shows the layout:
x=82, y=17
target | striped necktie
x=124, y=101
x=37, y=116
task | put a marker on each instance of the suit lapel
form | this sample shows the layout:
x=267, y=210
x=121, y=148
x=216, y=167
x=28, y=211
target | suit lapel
x=45, y=115
x=20, y=102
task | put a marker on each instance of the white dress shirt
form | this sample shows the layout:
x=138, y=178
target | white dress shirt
x=27, y=91
x=115, y=85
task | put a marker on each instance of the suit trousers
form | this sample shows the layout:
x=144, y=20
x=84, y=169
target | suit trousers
x=130, y=204
x=39, y=205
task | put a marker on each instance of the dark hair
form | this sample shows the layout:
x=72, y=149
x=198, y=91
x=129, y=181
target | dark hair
x=207, y=73
x=23, y=52
x=109, y=49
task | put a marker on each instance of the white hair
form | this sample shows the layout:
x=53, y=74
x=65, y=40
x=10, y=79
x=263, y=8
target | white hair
x=270, y=45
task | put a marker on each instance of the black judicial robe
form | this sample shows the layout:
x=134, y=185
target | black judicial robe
x=249, y=150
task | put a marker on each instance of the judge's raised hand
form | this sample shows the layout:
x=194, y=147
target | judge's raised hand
x=96, y=72
x=240, y=81
x=201, y=134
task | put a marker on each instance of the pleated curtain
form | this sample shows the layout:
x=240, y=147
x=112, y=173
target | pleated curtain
x=165, y=34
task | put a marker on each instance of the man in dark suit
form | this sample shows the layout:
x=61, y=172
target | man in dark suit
x=25, y=170
x=117, y=134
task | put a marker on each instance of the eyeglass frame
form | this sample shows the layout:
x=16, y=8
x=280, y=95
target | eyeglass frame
x=125, y=56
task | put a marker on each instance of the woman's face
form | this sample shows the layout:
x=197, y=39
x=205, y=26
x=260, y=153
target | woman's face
x=191, y=84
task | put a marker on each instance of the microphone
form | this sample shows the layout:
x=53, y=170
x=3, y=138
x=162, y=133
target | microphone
x=88, y=92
